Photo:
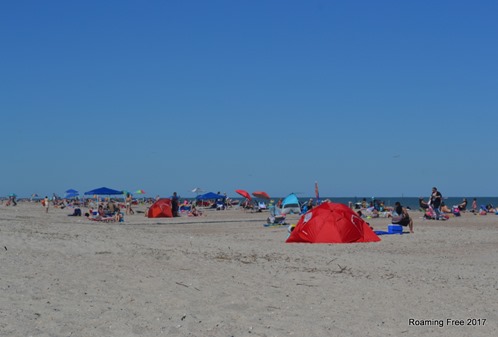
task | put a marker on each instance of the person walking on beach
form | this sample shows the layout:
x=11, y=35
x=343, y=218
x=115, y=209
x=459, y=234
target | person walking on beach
x=435, y=202
x=174, y=204
x=128, y=201
x=45, y=203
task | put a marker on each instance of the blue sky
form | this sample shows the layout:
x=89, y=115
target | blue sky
x=369, y=98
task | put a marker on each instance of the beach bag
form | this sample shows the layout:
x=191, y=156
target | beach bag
x=397, y=219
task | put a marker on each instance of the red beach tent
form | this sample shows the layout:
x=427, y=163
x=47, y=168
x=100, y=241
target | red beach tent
x=332, y=223
x=160, y=209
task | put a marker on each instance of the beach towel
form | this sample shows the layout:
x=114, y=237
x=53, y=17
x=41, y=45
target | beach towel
x=387, y=233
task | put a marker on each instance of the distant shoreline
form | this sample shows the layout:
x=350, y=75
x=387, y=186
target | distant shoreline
x=411, y=202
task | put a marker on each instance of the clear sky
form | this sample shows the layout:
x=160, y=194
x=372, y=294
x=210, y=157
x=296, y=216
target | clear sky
x=369, y=98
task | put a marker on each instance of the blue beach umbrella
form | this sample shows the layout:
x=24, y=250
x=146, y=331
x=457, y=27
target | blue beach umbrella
x=71, y=194
x=104, y=191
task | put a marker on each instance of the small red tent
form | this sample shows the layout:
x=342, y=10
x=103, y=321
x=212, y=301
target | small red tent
x=332, y=223
x=160, y=209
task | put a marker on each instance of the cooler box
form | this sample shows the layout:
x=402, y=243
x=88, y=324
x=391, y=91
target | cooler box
x=394, y=229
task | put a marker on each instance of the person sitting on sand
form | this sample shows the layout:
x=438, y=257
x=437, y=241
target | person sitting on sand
x=118, y=216
x=111, y=207
x=406, y=220
x=463, y=205
x=247, y=204
x=194, y=211
x=372, y=212
x=422, y=203
x=100, y=213
x=309, y=205
x=360, y=214
x=490, y=208
x=445, y=209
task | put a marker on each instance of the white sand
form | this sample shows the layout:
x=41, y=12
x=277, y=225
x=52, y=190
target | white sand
x=227, y=275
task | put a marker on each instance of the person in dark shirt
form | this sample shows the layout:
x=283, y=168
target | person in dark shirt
x=463, y=205
x=174, y=204
x=406, y=220
x=435, y=202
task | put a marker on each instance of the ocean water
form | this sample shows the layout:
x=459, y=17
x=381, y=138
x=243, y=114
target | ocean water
x=412, y=202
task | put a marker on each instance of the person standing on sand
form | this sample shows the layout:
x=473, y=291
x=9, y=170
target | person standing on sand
x=435, y=202
x=474, y=206
x=128, y=201
x=46, y=203
x=174, y=204
x=279, y=203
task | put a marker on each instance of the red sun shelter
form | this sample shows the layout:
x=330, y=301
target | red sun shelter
x=160, y=209
x=332, y=223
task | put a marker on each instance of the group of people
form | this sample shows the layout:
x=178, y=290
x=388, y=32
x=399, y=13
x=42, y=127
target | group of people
x=190, y=208
x=436, y=208
x=400, y=215
x=111, y=212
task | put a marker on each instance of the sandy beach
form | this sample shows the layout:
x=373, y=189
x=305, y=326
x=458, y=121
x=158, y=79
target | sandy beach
x=225, y=274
